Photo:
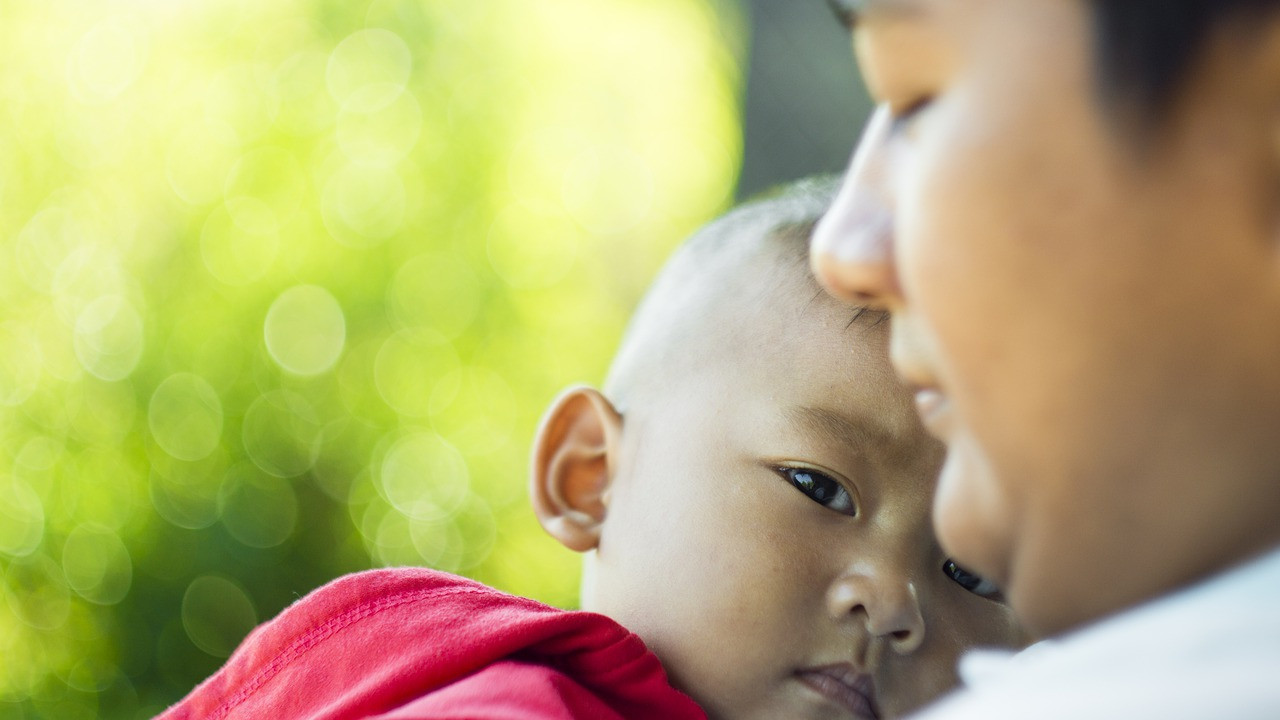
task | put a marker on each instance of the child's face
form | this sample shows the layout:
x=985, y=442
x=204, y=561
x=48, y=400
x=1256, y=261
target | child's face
x=768, y=528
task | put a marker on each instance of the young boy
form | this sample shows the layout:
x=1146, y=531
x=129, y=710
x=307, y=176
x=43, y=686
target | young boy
x=752, y=494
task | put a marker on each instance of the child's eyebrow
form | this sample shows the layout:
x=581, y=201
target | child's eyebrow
x=839, y=428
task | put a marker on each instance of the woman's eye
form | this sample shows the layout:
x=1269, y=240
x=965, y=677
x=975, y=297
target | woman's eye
x=975, y=584
x=844, y=13
x=820, y=489
x=901, y=118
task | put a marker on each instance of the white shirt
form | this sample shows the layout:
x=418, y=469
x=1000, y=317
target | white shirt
x=1209, y=651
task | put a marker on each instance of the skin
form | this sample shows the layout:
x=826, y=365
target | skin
x=1087, y=306
x=702, y=544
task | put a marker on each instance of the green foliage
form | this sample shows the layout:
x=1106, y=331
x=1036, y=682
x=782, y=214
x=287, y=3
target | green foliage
x=285, y=288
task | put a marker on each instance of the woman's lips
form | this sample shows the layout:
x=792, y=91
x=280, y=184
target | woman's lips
x=934, y=409
x=844, y=686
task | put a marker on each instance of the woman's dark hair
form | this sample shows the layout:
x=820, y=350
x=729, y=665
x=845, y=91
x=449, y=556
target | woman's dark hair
x=1145, y=48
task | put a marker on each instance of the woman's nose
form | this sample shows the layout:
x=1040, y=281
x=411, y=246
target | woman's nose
x=886, y=604
x=852, y=252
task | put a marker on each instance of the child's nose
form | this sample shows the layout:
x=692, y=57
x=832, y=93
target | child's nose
x=886, y=604
x=852, y=251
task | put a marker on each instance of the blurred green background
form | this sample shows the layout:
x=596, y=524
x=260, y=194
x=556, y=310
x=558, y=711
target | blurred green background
x=286, y=285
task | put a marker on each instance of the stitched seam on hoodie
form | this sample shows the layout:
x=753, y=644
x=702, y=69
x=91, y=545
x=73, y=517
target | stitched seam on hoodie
x=316, y=635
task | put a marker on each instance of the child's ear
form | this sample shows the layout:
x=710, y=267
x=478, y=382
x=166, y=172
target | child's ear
x=574, y=454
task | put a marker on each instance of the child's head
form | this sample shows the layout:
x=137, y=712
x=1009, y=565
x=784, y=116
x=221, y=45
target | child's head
x=753, y=489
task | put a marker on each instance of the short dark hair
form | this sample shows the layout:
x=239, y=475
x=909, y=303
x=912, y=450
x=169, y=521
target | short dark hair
x=1146, y=48
x=674, y=312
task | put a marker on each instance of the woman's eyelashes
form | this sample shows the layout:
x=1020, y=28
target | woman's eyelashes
x=844, y=13
x=819, y=488
x=975, y=584
x=902, y=116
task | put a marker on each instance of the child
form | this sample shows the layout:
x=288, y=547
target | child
x=752, y=496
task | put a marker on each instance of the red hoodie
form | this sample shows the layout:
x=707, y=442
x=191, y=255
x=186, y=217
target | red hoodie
x=410, y=644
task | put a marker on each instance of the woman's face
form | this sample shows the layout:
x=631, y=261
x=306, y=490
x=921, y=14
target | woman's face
x=1090, y=326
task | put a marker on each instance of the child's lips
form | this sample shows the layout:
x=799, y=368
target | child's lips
x=843, y=685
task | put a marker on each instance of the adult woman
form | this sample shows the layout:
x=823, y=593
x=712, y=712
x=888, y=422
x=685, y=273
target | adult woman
x=1074, y=225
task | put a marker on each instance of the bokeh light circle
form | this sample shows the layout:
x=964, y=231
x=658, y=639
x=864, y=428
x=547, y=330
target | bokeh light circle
x=105, y=62
x=531, y=249
x=370, y=58
x=93, y=675
x=110, y=485
x=200, y=157
x=459, y=542
x=87, y=274
x=257, y=509
x=185, y=416
x=363, y=206
x=388, y=539
x=109, y=337
x=21, y=517
x=365, y=504
x=97, y=565
x=233, y=96
x=38, y=459
x=47, y=239
x=272, y=177
x=376, y=134
x=239, y=252
x=608, y=190
x=37, y=592
x=20, y=364
x=424, y=477
x=217, y=614
x=475, y=408
x=305, y=330
x=437, y=291
x=281, y=433
x=409, y=365
x=105, y=415
x=186, y=493
x=298, y=83
x=536, y=165
x=57, y=345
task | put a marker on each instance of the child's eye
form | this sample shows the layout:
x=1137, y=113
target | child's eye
x=820, y=489
x=975, y=584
